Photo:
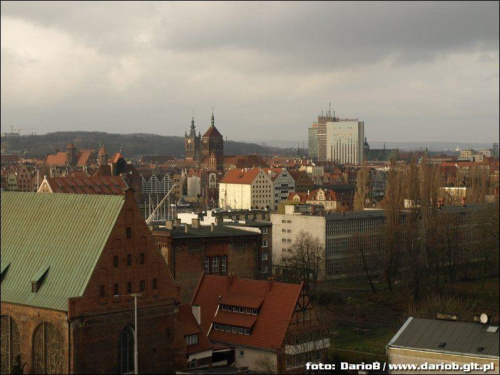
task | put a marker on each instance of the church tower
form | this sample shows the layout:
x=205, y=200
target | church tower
x=103, y=156
x=212, y=141
x=192, y=143
x=71, y=157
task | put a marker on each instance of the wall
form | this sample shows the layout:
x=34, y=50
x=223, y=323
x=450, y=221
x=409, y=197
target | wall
x=252, y=358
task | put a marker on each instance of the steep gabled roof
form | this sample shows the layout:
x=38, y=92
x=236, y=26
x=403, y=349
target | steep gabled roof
x=212, y=132
x=64, y=232
x=190, y=327
x=268, y=327
x=88, y=185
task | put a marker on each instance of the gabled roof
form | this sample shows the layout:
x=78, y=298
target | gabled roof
x=87, y=185
x=240, y=176
x=65, y=232
x=271, y=324
x=190, y=327
x=212, y=132
x=117, y=156
x=59, y=159
x=462, y=338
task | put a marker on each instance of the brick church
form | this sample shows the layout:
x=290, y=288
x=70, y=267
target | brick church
x=207, y=149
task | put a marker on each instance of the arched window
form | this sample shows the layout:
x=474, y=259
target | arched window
x=47, y=350
x=126, y=347
x=11, y=347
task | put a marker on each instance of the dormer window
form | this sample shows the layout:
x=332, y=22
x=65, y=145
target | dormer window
x=192, y=339
x=37, y=281
x=255, y=311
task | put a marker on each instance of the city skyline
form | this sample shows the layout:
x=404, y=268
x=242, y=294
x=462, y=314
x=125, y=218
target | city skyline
x=411, y=72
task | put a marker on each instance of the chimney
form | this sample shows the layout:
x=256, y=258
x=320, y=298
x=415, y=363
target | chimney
x=446, y=316
x=186, y=228
x=195, y=223
x=196, y=310
x=169, y=224
x=177, y=223
x=212, y=226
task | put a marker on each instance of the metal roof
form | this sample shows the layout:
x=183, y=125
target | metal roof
x=59, y=235
x=205, y=231
x=471, y=339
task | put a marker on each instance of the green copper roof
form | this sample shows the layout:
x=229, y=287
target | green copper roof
x=56, y=239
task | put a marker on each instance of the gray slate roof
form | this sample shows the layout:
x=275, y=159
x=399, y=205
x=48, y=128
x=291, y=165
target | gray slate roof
x=458, y=337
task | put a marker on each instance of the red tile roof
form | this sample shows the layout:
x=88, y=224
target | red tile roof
x=235, y=319
x=112, y=185
x=272, y=321
x=240, y=176
x=242, y=300
x=59, y=159
x=212, y=132
x=302, y=196
x=117, y=156
x=190, y=327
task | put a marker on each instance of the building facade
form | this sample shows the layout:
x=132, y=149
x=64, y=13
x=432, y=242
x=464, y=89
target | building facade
x=344, y=141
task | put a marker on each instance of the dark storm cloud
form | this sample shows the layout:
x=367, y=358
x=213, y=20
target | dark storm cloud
x=269, y=65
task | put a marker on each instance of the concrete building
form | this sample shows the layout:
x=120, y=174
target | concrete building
x=246, y=189
x=345, y=140
x=313, y=142
x=436, y=345
x=283, y=184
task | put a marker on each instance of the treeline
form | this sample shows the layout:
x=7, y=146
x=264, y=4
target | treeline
x=421, y=242
x=131, y=145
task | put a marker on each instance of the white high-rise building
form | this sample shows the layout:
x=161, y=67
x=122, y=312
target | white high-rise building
x=344, y=141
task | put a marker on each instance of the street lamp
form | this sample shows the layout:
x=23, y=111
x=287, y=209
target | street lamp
x=135, y=295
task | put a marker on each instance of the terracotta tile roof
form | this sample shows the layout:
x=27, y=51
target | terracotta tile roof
x=242, y=300
x=117, y=156
x=212, y=132
x=190, y=327
x=245, y=161
x=240, y=176
x=235, y=319
x=112, y=185
x=274, y=316
x=302, y=196
x=103, y=151
x=59, y=159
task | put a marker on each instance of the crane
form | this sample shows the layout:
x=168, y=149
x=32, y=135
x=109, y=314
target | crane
x=150, y=218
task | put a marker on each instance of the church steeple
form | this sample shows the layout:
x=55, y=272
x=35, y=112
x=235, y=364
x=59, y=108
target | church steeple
x=213, y=119
x=193, y=128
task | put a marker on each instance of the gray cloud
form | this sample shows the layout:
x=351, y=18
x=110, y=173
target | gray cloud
x=266, y=65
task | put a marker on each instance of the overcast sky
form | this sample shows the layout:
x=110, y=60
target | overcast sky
x=413, y=71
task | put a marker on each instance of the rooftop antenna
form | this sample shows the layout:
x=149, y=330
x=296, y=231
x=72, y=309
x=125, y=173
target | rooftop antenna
x=329, y=109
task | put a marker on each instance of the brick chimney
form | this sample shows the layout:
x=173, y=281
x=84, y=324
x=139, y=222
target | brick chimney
x=195, y=223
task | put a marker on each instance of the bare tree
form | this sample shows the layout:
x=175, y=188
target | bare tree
x=362, y=188
x=393, y=204
x=441, y=303
x=307, y=258
x=361, y=249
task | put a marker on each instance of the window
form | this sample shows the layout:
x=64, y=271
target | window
x=155, y=284
x=192, y=339
x=115, y=261
x=264, y=230
x=265, y=269
x=129, y=232
x=235, y=309
x=242, y=353
x=102, y=292
x=235, y=329
x=254, y=311
x=129, y=287
x=264, y=256
x=240, y=331
x=143, y=285
x=224, y=308
x=129, y=259
x=224, y=264
x=247, y=332
x=264, y=243
x=215, y=264
x=249, y=311
x=227, y=328
x=216, y=326
x=142, y=258
x=116, y=290
x=206, y=263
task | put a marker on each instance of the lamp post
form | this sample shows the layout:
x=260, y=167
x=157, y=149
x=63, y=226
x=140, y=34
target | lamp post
x=135, y=295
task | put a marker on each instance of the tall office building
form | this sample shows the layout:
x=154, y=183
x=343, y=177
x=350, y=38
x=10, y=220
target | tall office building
x=317, y=135
x=344, y=141
x=313, y=141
